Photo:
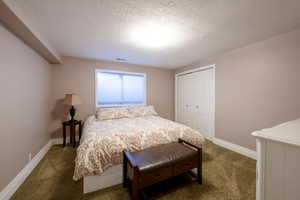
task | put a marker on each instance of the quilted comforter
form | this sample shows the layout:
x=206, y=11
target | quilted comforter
x=103, y=141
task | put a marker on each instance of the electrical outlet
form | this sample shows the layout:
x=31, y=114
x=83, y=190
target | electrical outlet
x=29, y=157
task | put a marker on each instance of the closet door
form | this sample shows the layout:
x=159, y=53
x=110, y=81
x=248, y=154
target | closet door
x=194, y=101
x=184, y=99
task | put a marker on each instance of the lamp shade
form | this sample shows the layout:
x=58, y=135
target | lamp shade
x=72, y=99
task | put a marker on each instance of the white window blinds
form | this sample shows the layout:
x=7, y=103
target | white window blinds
x=114, y=88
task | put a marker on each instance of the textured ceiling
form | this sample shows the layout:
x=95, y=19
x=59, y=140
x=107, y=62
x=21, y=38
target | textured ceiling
x=100, y=29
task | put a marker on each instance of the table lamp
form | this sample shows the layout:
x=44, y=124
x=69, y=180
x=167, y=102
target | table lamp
x=72, y=100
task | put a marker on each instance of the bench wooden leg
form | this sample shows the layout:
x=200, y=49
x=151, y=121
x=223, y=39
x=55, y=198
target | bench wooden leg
x=124, y=170
x=135, y=191
x=199, y=168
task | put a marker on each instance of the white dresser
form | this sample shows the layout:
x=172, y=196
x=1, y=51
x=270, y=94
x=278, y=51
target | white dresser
x=278, y=162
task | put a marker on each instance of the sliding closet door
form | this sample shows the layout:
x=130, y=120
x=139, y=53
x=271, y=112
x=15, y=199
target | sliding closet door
x=195, y=101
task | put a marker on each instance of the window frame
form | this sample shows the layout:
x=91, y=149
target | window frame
x=120, y=72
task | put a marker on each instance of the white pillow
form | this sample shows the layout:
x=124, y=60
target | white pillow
x=141, y=111
x=112, y=113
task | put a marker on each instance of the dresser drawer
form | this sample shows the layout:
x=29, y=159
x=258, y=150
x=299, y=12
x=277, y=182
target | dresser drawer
x=185, y=165
x=152, y=177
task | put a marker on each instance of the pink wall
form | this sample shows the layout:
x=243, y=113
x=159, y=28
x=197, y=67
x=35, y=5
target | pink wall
x=77, y=75
x=257, y=87
x=24, y=109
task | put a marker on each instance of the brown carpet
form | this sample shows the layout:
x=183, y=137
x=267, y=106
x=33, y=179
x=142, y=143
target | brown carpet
x=227, y=176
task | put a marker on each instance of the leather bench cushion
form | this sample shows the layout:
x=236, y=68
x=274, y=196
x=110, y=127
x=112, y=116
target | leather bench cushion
x=162, y=155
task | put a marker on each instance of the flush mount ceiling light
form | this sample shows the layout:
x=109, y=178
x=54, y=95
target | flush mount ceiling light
x=155, y=35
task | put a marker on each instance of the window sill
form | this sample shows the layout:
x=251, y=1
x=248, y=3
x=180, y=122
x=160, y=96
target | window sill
x=119, y=105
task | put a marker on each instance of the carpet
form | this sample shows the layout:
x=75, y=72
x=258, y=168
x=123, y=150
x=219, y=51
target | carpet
x=226, y=176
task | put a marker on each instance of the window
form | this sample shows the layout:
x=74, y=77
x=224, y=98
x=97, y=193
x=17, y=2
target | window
x=118, y=88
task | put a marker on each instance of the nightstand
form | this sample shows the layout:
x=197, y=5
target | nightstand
x=72, y=125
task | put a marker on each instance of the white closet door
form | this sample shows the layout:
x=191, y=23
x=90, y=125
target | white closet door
x=194, y=101
x=184, y=99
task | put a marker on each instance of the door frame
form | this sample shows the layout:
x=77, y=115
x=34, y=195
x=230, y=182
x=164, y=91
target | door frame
x=208, y=67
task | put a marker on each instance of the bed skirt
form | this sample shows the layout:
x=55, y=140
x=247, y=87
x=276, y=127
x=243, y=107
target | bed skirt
x=112, y=176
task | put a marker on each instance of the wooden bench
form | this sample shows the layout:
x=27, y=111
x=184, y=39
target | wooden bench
x=155, y=164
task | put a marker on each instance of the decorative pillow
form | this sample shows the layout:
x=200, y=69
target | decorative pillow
x=112, y=113
x=141, y=111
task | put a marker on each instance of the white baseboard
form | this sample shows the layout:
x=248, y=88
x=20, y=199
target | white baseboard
x=60, y=140
x=236, y=148
x=12, y=187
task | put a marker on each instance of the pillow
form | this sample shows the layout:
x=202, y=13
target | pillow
x=141, y=111
x=112, y=113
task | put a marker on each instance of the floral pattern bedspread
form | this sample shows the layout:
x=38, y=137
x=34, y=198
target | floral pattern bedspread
x=103, y=141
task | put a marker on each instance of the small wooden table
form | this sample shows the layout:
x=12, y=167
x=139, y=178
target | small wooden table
x=72, y=125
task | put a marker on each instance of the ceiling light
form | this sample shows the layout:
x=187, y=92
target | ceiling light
x=155, y=35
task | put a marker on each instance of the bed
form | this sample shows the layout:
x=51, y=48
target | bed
x=99, y=155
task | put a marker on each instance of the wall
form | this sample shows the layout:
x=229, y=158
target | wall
x=77, y=75
x=24, y=109
x=257, y=87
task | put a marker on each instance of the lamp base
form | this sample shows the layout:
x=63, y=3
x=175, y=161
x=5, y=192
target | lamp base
x=72, y=113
